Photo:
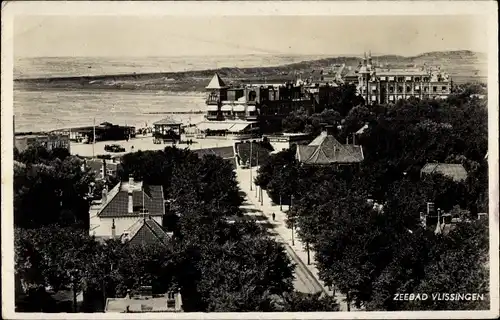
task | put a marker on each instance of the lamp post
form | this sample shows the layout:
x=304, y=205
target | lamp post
x=281, y=203
x=250, y=162
x=73, y=274
x=257, y=194
x=308, y=254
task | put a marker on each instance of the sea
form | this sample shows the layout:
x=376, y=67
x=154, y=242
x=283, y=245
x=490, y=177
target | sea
x=43, y=110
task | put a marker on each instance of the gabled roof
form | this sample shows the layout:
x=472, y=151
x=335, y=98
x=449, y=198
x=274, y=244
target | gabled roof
x=216, y=83
x=147, y=232
x=456, y=172
x=325, y=149
x=117, y=201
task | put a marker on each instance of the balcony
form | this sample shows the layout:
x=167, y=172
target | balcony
x=211, y=102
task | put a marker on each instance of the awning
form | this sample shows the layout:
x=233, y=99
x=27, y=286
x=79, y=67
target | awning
x=391, y=78
x=226, y=108
x=417, y=87
x=251, y=108
x=212, y=108
x=238, y=127
x=239, y=108
x=408, y=78
x=215, y=126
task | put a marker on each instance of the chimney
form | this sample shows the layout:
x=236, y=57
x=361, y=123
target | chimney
x=104, y=195
x=423, y=219
x=329, y=129
x=113, y=230
x=130, y=194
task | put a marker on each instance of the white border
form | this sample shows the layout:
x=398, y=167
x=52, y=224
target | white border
x=11, y=9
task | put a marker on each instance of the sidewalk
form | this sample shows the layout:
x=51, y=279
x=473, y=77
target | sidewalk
x=268, y=208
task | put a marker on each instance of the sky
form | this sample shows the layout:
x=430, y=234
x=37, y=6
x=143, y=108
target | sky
x=136, y=36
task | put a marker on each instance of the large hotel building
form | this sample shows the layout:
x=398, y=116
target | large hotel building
x=250, y=108
x=387, y=85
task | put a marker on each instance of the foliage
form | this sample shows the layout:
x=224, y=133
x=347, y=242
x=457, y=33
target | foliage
x=372, y=252
x=58, y=186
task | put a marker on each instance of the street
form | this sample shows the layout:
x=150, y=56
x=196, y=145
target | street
x=307, y=279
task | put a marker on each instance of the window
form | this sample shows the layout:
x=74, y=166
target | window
x=417, y=79
x=252, y=95
x=444, y=88
x=391, y=89
x=374, y=98
x=400, y=89
x=408, y=88
x=374, y=88
x=426, y=79
x=391, y=98
x=434, y=89
x=401, y=79
x=426, y=89
x=417, y=88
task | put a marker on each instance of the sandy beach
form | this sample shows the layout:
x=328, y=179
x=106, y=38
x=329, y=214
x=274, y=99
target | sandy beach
x=143, y=143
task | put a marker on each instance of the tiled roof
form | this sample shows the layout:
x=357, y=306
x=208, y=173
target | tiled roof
x=455, y=171
x=223, y=152
x=325, y=149
x=147, y=232
x=117, y=203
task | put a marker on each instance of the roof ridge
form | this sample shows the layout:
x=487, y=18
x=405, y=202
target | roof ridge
x=154, y=233
x=110, y=196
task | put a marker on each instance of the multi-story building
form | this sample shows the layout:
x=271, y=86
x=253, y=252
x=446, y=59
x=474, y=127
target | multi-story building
x=50, y=141
x=387, y=85
x=243, y=108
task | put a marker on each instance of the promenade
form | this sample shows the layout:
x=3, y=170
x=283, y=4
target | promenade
x=143, y=143
x=295, y=248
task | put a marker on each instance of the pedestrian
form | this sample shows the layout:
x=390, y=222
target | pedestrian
x=274, y=216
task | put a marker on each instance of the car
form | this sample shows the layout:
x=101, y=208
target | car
x=114, y=148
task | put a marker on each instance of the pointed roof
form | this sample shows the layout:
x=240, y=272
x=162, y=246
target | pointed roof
x=325, y=149
x=147, y=232
x=216, y=83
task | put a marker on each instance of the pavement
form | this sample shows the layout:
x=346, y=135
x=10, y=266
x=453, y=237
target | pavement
x=307, y=278
x=143, y=143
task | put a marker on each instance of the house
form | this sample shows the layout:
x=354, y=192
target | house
x=226, y=153
x=102, y=167
x=121, y=207
x=147, y=232
x=456, y=172
x=326, y=150
x=145, y=302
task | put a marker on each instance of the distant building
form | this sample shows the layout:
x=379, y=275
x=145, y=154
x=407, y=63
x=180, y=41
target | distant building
x=456, y=172
x=102, y=167
x=226, y=153
x=121, y=207
x=50, y=141
x=167, y=129
x=326, y=150
x=284, y=141
x=105, y=131
x=145, y=302
x=250, y=107
x=377, y=84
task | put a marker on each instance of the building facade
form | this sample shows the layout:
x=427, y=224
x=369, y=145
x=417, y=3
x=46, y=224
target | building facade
x=119, y=209
x=49, y=141
x=259, y=107
x=388, y=85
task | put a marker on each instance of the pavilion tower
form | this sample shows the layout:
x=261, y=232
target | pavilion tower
x=217, y=90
